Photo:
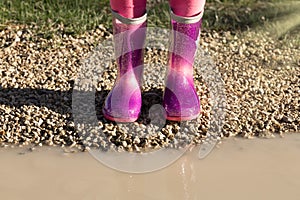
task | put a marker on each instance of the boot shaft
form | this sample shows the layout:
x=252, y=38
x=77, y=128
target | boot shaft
x=184, y=41
x=129, y=41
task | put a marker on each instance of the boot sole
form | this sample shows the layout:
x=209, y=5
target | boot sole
x=181, y=118
x=115, y=119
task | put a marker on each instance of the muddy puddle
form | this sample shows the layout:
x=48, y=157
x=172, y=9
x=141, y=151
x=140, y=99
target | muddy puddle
x=237, y=169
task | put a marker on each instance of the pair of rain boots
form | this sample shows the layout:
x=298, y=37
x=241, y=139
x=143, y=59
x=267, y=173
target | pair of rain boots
x=180, y=100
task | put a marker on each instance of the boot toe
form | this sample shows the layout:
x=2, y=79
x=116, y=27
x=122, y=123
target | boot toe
x=123, y=107
x=181, y=105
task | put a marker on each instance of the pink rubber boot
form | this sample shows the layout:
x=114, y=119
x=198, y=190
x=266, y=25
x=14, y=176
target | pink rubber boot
x=180, y=99
x=123, y=103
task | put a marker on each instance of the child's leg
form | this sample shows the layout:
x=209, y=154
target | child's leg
x=187, y=8
x=129, y=8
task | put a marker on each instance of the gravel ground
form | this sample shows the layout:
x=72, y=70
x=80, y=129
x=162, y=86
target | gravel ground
x=261, y=78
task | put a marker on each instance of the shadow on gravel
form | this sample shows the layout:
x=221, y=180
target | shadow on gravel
x=150, y=99
x=243, y=16
x=57, y=101
x=232, y=15
x=99, y=102
x=61, y=101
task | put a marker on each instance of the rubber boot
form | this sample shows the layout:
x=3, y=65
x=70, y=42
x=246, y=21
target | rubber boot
x=180, y=98
x=123, y=103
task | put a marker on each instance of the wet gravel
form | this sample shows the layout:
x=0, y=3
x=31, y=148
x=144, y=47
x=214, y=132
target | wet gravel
x=38, y=77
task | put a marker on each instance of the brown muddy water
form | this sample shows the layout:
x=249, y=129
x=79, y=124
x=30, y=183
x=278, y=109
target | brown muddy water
x=237, y=169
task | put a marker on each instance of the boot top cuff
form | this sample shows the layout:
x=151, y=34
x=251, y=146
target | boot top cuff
x=133, y=21
x=186, y=20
